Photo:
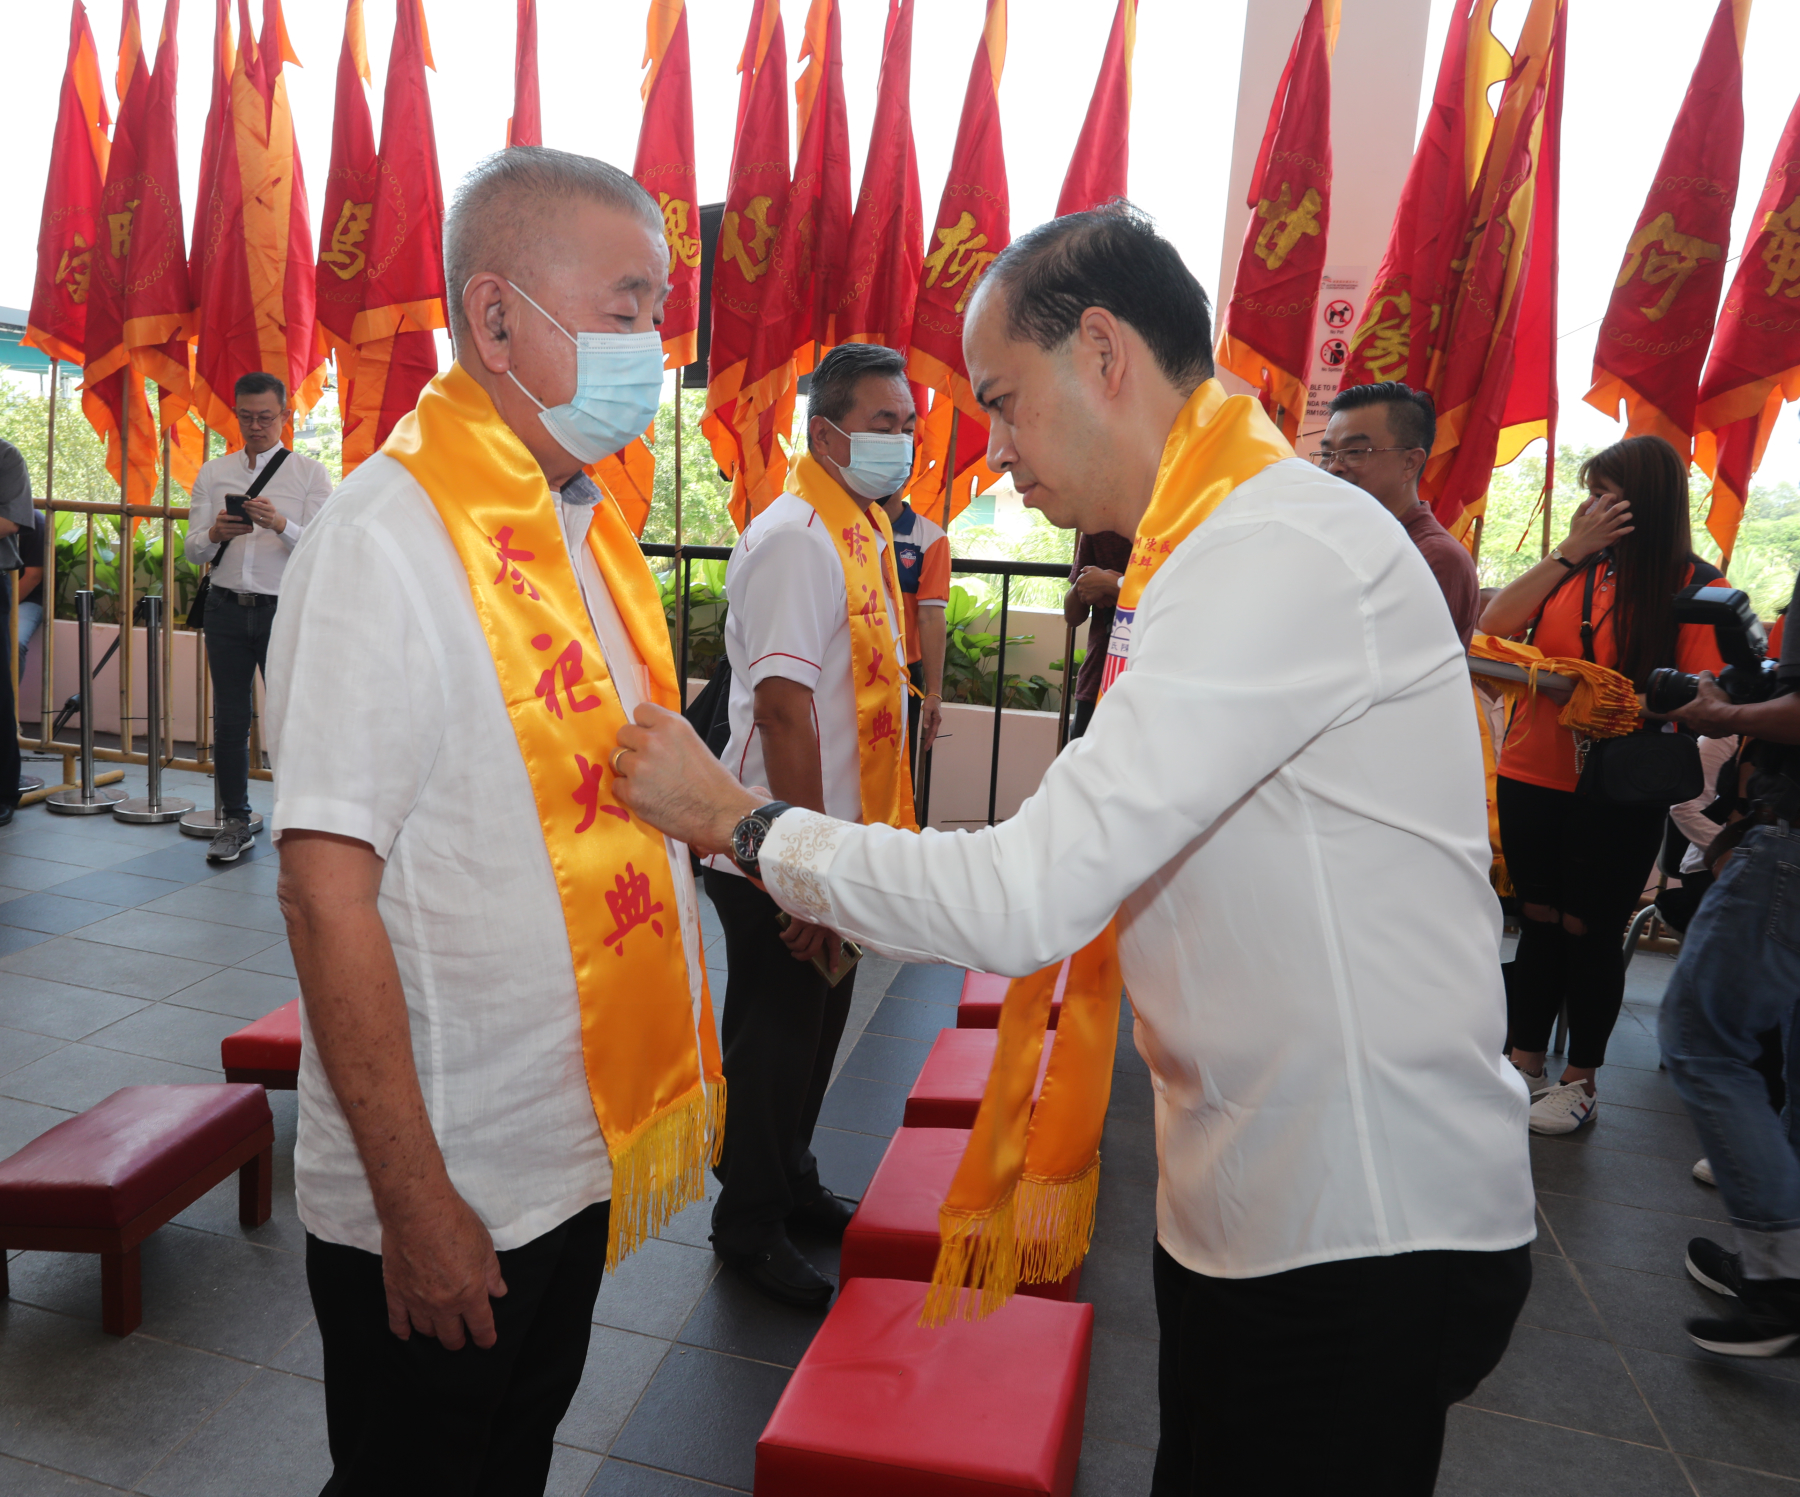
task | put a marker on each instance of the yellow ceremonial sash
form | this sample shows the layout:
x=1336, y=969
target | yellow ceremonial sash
x=652, y=1068
x=877, y=641
x=1021, y=1207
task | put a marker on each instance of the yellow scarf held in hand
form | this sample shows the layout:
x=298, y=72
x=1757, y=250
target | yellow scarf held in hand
x=1021, y=1208
x=653, y=1065
x=877, y=641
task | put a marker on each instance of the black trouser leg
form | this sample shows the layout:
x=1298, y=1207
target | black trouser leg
x=237, y=645
x=780, y=1034
x=9, y=720
x=1534, y=983
x=1280, y=1384
x=1084, y=714
x=409, y=1416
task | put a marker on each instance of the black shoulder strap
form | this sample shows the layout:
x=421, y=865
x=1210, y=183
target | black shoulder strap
x=267, y=473
x=1704, y=573
x=1587, y=613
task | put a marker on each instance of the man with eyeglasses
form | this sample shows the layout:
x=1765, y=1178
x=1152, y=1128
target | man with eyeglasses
x=1378, y=438
x=246, y=580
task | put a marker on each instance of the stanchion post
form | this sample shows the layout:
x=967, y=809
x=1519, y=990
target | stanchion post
x=86, y=799
x=152, y=807
x=1068, y=689
x=999, y=697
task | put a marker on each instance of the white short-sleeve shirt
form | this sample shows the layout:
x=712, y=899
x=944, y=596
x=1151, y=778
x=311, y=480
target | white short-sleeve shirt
x=387, y=724
x=789, y=617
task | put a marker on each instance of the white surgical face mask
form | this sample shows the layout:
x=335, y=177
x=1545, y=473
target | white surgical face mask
x=618, y=387
x=880, y=462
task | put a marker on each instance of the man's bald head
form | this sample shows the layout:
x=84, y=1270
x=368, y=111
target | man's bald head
x=498, y=218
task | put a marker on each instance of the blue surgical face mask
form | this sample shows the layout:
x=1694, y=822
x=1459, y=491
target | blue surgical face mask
x=880, y=462
x=618, y=387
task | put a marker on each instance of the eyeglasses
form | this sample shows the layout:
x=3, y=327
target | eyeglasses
x=1351, y=457
x=257, y=418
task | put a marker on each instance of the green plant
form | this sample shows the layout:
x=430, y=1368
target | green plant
x=706, y=616
x=968, y=676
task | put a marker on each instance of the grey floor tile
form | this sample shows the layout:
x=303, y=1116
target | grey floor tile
x=19, y=1048
x=1569, y=1381
x=208, y=901
x=6, y=893
x=701, y=1416
x=110, y=968
x=21, y=1479
x=200, y=1290
x=1623, y=1236
x=16, y=938
x=216, y=1211
x=734, y=1318
x=249, y=878
x=655, y=1290
x=1557, y=1301
x=863, y=1106
x=619, y=1368
x=1128, y=1144
x=693, y=1227
x=57, y=846
x=1488, y=1455
x=1109, y=1469
x=1715, y=1480
x=20, y=872
x=97, y=1405
x=165, y=1031
x=1564, y=1166
x=909, y=1018
x=933, y=983
x=1637, y=1130
x=269, y=1439
x=54, y=914
x=275, y=960
x=183, y=863
x=1632, y=1047
x=1122, y=1402
x=617, y=1478
x=56, y=1008
x=175, y=935
x=1650, y=1310
x=20, y=1122
x=1115, y=1280
x=126, y=890
x=847, y=1161
x=883, y=1057
x=79, y=1075
x=241, y=994
x=304, y=1355
x=571, y=1471
x=1649, y=1089
x=1718, y=1410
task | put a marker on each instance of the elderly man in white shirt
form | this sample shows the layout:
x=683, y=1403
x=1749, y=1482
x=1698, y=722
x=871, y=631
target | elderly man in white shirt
x=246, y=580
x=1280, y=799
x=488, y=1071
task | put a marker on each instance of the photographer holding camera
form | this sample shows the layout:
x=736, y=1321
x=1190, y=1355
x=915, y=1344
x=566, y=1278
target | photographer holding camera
x=1738, y=977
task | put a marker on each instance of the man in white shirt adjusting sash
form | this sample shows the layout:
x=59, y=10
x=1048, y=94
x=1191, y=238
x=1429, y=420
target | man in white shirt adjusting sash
x=1276, y=819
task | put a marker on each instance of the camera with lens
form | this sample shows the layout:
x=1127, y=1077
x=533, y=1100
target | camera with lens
x=1749, y=674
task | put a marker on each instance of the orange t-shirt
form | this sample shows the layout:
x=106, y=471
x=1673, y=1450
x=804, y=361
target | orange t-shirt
x=1538, y=749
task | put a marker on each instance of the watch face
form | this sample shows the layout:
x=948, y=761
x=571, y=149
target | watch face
x=747, y=840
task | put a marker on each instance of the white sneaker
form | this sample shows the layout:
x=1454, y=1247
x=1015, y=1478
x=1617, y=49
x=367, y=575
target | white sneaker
x=1536, y=1082
x=1563, y=1109
x=1703, y=1172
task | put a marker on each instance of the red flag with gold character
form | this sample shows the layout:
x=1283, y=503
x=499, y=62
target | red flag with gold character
x=69, y=231
x=1652, y=344
x=972, y=227
x=810, y=250
x=1100, y=166
x=1755, y=364
x=218, y=123
x=1266, y=334
x=665, y=169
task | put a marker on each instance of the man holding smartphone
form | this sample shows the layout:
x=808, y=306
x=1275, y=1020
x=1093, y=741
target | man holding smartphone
x=247, y=512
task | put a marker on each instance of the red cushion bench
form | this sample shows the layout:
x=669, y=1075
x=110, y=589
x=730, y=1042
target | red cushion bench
x=983, y=993
x=266, y=1052
x=948, y=1091
x=883, y=1407
x=894, y=1234
x=104, y=1181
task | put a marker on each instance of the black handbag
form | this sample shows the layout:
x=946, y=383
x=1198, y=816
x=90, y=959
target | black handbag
x=1651, y=766
x=196, y=618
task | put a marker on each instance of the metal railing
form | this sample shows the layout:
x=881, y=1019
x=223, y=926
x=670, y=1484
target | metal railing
x=684, y=558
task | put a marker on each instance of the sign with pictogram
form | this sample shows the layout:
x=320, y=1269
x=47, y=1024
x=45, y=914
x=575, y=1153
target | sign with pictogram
x=1340, y=305
x=1338, y=314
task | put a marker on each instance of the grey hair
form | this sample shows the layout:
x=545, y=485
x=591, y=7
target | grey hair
x=495, y=211
x=832, y=392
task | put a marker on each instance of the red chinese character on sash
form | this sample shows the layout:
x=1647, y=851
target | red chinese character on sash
x=629, y=903
x=587, y=795
x=871, y=608
x=883, y=726
x=876, y=673
x=857, y=541
x=569, y=664
x=509, y=559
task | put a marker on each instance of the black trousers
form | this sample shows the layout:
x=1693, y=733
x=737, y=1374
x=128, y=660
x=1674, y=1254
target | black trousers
x=408, y=1416
x=1584, y=857
x=1084, y=714
x=780, y=1034
x=237, y=647
x=9, y=720
x=1287, y=1384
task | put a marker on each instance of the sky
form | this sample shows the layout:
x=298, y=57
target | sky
x=1629, y=62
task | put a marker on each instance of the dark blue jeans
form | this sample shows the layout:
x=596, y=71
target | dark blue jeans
x=1739, y=976
x=237, y=646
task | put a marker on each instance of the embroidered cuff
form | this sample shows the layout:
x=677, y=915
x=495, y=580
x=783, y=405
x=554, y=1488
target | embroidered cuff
x=795, y=858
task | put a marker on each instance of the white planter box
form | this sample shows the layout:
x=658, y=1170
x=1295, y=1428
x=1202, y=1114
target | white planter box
x=106, y=685
x=963, y=755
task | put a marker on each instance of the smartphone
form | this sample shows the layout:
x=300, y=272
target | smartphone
x=849, y=954
x=234, y=506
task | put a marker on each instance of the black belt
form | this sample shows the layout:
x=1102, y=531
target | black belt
x=247, y=600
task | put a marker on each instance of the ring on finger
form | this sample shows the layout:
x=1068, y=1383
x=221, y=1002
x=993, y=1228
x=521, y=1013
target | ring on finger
x=615, y=758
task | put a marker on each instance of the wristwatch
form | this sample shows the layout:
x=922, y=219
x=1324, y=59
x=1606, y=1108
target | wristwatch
x=1556, y=555
x=748, y=836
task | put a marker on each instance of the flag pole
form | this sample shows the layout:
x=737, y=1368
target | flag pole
x=47, y=629
x=681, y=597
x=949, y=474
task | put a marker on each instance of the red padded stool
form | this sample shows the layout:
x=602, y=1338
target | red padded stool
x=881, y=1407
x=104, y=1181
x=267, y=1052
x=894, y=1234
x=983, y=993
x=948, y=1091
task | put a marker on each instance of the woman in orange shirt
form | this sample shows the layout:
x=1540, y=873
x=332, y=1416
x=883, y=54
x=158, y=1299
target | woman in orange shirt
x=1578, y=862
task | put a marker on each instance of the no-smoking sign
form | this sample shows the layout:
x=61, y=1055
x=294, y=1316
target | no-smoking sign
x=1333, y=352
x=1338, y=315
